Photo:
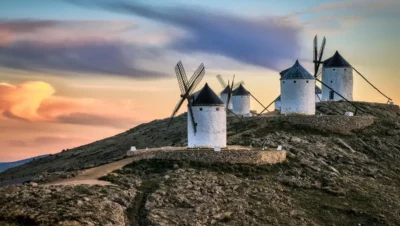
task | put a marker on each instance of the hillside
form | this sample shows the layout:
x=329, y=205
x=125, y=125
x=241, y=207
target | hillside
x=6, y=165
x=155, y=134
x=339, y=170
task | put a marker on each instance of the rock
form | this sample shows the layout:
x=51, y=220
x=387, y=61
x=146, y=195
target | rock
x=33, y=184
x=334, y=170
x=44, y=205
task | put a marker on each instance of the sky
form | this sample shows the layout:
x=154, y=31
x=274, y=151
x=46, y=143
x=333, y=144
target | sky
x=76, y=71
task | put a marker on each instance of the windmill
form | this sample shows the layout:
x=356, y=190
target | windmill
x=187, y=86
x=240, y=104
x=317, y=57
x=226, y=87
x=344, y=83
x=317, y=60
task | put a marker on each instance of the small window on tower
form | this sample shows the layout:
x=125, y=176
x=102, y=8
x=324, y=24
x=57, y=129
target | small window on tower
x=283, y=82
x=201, y=109
x=331, y=81
x=334, y=69
x=307, y=81
x=217, y=109
x=345, y=69
x=294, y=81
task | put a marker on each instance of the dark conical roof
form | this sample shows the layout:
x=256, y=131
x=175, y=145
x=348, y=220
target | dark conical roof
x=283, y=72
x=297, y=72
x=226, y=90
x=318, y=90
x=241, y=91
x=336, y=61
x=207, y=97
x=195, y=94
x=326, y=61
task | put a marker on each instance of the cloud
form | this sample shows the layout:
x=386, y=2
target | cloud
x=105, y=57
x=55, y=140
x=16, y=143
x=90, y=119
x=46, y=140
x=22, y=101
x=9, y=30
x=353, y=5
x=90, y=47
x=35, y=102
x=345, y=14
x=261, y=42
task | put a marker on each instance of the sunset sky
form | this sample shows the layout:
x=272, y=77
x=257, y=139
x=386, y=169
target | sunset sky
x=76, y=71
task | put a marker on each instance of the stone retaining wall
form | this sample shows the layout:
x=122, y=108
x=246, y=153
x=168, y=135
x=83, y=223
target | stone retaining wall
x=225, y=156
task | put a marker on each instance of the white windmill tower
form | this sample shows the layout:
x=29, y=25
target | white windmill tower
x=277, y=101
x=210, y=115
x=337, y=77
x=297, y=91
x=317, y=61
x=206, y=112
x=241, y=101
x=338, y=74
x=226, y=90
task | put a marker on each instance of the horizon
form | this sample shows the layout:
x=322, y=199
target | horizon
x=98, y=68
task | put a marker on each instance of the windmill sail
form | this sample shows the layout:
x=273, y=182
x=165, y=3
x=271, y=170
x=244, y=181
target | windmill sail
x=187, y=88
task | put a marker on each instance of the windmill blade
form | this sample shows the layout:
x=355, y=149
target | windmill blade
x=183, y=75
x=257, y=101
x=319, y=73
x=230, y=92
x=176, y=109
x=180, y=82
x=229, y=95
x=237, y=84
x=315, y=55
x=266, y=108
x=197, y=79
x=321, y=52
x=237, y=116
x=362, y=76
x=221, y=81
x=194, y=125
x=357, y=108
x=195, y=74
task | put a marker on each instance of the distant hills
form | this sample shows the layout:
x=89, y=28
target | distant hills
x=6, y=165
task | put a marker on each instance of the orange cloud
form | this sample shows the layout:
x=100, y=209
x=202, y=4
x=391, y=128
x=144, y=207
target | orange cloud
x=34, y=101
x=23, y=100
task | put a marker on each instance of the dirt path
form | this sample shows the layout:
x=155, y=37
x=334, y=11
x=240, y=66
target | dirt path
x=90, y=176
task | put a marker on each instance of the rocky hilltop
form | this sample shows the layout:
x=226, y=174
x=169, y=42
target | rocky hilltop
x=339, y=170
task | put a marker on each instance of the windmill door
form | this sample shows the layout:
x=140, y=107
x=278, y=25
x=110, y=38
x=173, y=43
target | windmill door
x=331, y=95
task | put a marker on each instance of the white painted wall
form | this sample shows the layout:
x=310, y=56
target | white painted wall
x=339, y=79
x=224, y=98
x=277, y=105
x=211, y=127
x=241, y=105
x=298, y=97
